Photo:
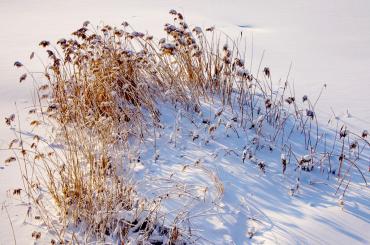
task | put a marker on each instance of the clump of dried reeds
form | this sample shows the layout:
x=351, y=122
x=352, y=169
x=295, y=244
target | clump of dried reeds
x=101, y=92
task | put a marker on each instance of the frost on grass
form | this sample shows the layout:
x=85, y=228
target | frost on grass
x=132, y=137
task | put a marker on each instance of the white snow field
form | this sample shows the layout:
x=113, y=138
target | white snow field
x=320, y=42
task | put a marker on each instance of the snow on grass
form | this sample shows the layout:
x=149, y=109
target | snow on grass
x=215, y=196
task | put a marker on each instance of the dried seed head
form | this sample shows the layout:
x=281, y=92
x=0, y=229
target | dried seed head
x=52, y=108
x=32, y=111
x=137, y=34
x=39, y=156
x=262, y=165
x=195, y=136
x=353, y=145
x=44, y=43
x=17, y=191
x=365, y=133
x=341, y=157
x=9, y=160
x=23, y=152
x=197, y=53
x=162, y=41
x=36, y=138
x=86, y=23
x=266, y=71
x=50, y=53
x=35, y=123
x=18, y=64
x=168, y=48
x=212, y=128
x=268, y=103
x=206, y=121
x=242, y=73
x=10, y=119
x=62, y=42
x=43, y=87
x=47, y=76
x=310, y=114
x=304, y=98
x=251, y=232
x=14, y=141
x=210, y=28
x=239, y=62
x=23, y=77
x=226, y=60
x=197, y=30
x=80, y=32
x=173, y=12
x=290, y=100
x=343, y=132
x=36, y=235
x=170, y=28
x=184, y=25
x=305, y=159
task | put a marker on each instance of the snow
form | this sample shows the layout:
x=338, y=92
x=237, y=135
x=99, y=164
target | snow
x=326, y=43
x=253, y=201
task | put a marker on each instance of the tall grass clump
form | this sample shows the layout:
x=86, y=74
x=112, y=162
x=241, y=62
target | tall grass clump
x=100, y=97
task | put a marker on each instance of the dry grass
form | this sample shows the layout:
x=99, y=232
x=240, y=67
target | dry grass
x=101, y=95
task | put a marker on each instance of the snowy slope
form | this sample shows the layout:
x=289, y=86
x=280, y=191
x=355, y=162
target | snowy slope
x=252, y=200
x=326, y=43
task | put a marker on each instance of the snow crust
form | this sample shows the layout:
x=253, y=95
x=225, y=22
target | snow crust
x=326, y=43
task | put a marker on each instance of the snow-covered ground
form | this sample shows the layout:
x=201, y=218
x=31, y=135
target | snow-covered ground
x=326, y=42
x=252, y=200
